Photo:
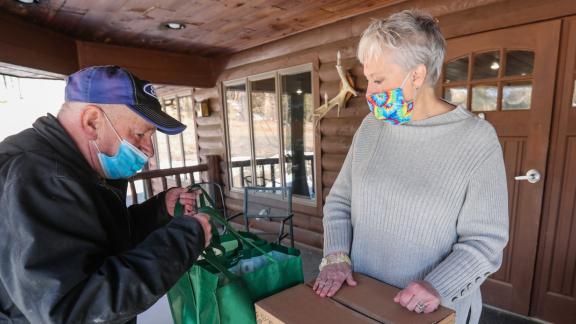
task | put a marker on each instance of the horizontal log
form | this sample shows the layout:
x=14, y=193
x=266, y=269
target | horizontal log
x=301, y=235
x=332, y=162
x=211, y=143
x=201, y=94
x=210, y=151
x=339, y=126
x=209, y=131
x=336, y=145
x=349, y=112
x=213, y=119
x=327, y=72
x=215, y=104
x=325, y=192
x=347, y=48
x=328, y=178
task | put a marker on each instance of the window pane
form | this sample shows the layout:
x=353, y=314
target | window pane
x=23, y=100
x=266, y=141
x=456, y=95
x=189, y=134
x=298, y=128
x=484, y=98
x=517, y=96
x=238, y=136
x=519, y=63
x=456, y=70
x=486, y=65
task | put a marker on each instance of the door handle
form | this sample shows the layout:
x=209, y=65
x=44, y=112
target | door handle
x=532, y=176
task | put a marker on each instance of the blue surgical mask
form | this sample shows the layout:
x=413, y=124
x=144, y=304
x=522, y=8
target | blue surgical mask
x=125, y=163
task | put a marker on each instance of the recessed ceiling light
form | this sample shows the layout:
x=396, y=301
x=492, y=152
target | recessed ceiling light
x=174, y=25
x=495, y=66
x=28, y=1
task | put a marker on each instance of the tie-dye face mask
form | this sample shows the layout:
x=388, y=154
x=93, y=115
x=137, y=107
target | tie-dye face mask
x=391, y=106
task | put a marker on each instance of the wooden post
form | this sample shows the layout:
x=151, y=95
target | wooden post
x=214, y=169
x=213, y=162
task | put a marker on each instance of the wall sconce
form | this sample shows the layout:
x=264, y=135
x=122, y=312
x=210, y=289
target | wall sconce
x=202, y=109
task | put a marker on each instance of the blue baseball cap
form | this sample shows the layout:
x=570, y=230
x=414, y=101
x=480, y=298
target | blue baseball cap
x=111, y=84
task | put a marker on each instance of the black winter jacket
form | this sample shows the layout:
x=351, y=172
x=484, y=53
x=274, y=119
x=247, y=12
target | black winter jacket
x=70, y=249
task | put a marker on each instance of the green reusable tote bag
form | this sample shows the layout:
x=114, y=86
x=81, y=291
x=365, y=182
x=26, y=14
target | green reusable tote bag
x=233, y=273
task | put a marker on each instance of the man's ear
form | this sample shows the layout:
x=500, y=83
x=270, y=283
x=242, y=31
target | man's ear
x=91, y=120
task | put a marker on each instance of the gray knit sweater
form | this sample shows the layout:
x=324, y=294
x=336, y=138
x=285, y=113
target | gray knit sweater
x=426, y=200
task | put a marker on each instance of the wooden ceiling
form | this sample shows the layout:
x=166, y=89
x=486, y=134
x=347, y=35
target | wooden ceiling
x=213, y=27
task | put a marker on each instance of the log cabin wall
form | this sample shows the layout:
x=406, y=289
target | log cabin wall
x=333, y=135
x=319, y=46
x=210, y=130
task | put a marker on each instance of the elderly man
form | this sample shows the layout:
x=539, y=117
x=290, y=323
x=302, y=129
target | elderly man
x=71, y=251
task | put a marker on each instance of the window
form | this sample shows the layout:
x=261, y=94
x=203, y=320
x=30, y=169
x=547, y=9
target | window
x=270, y=131
x=172, y=151
x=23, y=100
x=497, y=80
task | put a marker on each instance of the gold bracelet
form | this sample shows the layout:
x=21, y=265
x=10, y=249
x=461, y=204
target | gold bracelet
x=335, y=258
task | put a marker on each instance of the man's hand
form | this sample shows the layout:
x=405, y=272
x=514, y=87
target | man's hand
x=187, y=199
x=419, y=297
x=331, y=279
x=204, y=220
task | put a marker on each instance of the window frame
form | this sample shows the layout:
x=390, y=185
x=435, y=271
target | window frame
x=246, y=81
x=500, y=80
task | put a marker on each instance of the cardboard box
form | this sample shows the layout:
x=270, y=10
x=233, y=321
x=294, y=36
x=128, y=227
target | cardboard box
x=371, y=301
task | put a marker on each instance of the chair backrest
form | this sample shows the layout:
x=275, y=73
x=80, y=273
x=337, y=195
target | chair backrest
x=263, y=202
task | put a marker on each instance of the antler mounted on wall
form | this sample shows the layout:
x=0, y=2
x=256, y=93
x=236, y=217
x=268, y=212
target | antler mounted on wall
x=346, y=92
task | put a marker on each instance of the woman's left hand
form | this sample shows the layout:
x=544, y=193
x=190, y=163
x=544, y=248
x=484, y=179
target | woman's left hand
x=419, y=297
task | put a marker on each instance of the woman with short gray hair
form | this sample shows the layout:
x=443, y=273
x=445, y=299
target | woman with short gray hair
x=421, y=200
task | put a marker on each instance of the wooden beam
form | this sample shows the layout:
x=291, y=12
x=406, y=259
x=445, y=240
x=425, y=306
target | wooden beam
x=28, y=45
x=152, y=65
x=345, y=29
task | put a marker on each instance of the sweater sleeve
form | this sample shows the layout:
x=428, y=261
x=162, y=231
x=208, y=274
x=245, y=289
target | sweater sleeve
x=336, y=221
x=482, y=230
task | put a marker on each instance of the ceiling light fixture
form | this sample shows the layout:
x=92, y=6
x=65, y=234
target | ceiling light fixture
x=28, y=1
x=174, y=25
x=299, y=91
x=495, y=66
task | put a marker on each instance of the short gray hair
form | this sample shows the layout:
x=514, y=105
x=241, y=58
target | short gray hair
x=414, y=37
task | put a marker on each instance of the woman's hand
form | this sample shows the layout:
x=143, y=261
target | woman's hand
x=187, y=199
x=419, y=297
x=331, y=279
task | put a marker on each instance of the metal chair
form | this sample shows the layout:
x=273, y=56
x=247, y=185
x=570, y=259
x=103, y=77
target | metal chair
x=270, y=204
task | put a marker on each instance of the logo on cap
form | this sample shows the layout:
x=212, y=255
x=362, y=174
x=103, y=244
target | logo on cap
x=149, y=89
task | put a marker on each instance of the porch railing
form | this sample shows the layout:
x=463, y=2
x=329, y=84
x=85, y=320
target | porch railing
x=156, y=181
x=269, y=168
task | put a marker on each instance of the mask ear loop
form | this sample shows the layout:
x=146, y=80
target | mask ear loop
x=110, y=123
x=404, y=83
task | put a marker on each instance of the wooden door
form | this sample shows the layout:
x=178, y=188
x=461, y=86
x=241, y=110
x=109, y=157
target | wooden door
x=554, y=298
x=507, y=77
